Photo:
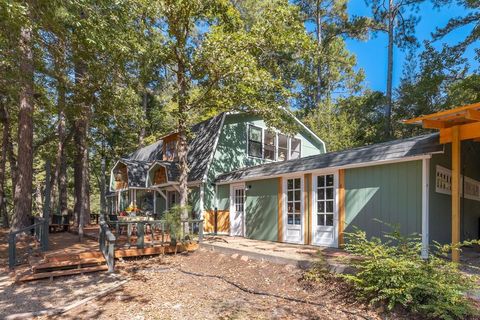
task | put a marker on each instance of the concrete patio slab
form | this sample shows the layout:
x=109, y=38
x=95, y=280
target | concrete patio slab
x=302, y=256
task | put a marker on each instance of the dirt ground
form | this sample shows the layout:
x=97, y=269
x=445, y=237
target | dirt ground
x=207, y=285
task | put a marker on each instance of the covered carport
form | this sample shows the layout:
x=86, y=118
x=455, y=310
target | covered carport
x=455, y=125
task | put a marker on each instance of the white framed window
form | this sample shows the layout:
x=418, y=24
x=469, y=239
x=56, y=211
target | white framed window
x=255, y=135
x=270, y=145
x=294, y=201
x=325, y=200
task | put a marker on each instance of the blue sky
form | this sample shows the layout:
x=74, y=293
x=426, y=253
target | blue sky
x=372, y=54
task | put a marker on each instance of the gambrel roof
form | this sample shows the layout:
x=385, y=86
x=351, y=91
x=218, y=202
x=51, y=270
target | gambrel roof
x=201, y=149
x=380, y=152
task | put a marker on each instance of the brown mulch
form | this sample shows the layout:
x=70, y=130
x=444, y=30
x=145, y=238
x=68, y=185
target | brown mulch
x=207, y=285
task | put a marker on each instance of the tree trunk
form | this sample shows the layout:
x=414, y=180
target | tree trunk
x=48, y=191
x=318, y=31
x=103, y=184
x=182, y=140
x=141, y=137
x=3, y=163
x=82, y=199
x=23, y=188
x=388, y=109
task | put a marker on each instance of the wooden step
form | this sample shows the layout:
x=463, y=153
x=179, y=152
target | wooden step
x=135, y=252
x=66, y=264
x=61, y=273
x=74, y=256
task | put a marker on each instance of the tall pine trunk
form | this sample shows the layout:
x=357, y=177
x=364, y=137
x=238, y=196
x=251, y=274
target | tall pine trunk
x=82, y=199
x=141, y=137
x=318, y=31
x=23, y=187
x=3, y=164
x=182, y=139
x=389, y=106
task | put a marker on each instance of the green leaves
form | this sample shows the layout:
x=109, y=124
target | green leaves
x=391, y=272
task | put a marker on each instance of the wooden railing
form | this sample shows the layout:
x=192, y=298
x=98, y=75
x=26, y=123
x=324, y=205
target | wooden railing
x=193, y=228
x=39, y=230
x=106, y=241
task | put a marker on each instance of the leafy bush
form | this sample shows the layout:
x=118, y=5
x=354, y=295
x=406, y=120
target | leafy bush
x=393, y=273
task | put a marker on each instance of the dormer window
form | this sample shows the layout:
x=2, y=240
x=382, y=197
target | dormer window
x=270, y=145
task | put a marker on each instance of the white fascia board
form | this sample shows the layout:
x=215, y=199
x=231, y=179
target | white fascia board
x=334, y=168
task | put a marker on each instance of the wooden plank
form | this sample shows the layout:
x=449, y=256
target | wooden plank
x=443, y=113
x=66, y=263
x=473, y=115
x=434, y=124
x=134, y=252
x=465, y=132
x=280, y=209
x=61, y=273
x=75, y=256
x=456, y=172
x=341, y=207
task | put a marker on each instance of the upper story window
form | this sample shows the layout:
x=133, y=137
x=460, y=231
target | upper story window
x=270, y=145
x=171, y=150
x=255, y=142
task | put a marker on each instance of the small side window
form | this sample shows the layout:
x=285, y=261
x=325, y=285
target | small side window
x=282, y=147
x=255, y=142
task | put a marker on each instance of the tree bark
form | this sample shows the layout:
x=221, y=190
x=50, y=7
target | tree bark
x=389, y=106
x=318, y=32
x=141, y=137
x=23, y=187
x=103, y=185
x=3, y=163
x=82, y=199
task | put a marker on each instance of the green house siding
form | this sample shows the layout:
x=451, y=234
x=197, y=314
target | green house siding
x=441, y=204
x=231, y=153
x=390, y=193
x=223, y=197
x=261, y=210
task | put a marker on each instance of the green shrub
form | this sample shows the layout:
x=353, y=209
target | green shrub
x=174, y=223
x=391, y=272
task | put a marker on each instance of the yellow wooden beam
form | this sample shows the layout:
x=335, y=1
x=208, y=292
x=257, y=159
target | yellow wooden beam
x=433, y=124
x=456, y=146
x=465, y=132
x=280, y=210
x=443, y=113
x=341, y=207
x=473, y=115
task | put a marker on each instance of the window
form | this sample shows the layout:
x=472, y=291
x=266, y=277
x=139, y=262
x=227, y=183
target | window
x=443, y=184
x=282, y=147
x=295, y=148
x=171, y=150
x=325, y=200
x=255, y=142
x=294, y=201
x=269, y=145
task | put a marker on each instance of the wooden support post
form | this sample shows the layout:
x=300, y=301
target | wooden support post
x=140, y=235
x=341, y=207
x=425, y=207
x=280, y=210
x=456, y=172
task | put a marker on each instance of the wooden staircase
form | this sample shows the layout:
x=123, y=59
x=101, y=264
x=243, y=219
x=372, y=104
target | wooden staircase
x=65, y=265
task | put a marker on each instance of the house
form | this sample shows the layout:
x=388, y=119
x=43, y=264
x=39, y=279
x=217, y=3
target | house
x=147, y=179
x=252, y=182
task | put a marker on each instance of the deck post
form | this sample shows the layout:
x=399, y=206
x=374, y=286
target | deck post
x=425, y=206
x=455, y=192
x=200, y=231
x=341, y=207
x=140, y=234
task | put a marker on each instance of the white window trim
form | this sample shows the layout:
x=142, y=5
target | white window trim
x=289, y=144
x=285, y=209
x=335, y=204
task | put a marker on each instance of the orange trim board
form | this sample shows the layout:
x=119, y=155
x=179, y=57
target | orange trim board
x=459, y=111
x=465, y=132
x=223, y=221
x=341, y=207
x=308, y=208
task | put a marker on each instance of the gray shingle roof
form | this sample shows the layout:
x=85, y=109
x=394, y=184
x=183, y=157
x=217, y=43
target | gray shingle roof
x=391, y=150
x=201, y=148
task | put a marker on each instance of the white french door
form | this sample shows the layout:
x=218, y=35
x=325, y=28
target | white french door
x=325, y=210
x=293, y=210
x=237, y=210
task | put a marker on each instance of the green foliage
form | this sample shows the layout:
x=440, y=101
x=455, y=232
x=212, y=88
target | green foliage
x=393, y=273
x=174, y=223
